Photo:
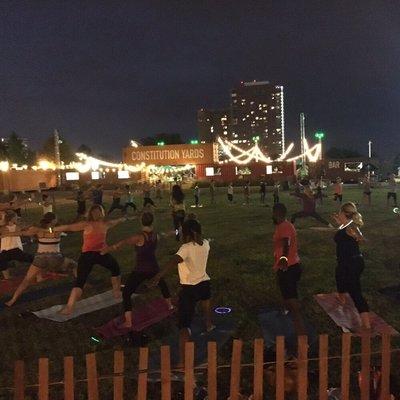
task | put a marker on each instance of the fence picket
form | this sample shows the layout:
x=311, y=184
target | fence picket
x=365, y=366
x=345, y=379
x=323, y=367
x=68, y=378
x=118, y=378
x=165, y=373
x=142, y=378
x=280, y=368
x=189, y=372
x=212, y=371
x=386, y=358
x=235, y=369
x=43, y=379
x=19, y=380
x=258, y=380
x=302, y=367
x=92, y=380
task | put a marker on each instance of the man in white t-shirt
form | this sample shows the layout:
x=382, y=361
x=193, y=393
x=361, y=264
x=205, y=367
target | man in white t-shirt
x=191, y=260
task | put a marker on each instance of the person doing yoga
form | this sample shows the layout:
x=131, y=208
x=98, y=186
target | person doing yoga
x=309, y=205
x=350, y=261
x=48, y=256
x=145, y=244
x=94, y=241
x=191, y=260
x=11, y=246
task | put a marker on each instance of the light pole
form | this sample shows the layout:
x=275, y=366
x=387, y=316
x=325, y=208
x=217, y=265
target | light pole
x=369, y=149
x=320, y=135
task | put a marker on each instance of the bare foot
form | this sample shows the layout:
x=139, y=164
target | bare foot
x=9, y=303
x=126, y=325
x=65, y=311
x=341, y=298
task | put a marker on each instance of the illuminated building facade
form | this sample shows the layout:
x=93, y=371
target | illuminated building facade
x=258, y=115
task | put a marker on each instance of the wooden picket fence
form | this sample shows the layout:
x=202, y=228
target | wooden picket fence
x=258, y=366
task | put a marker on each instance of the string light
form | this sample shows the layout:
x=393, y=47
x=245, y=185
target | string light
x=255, y=153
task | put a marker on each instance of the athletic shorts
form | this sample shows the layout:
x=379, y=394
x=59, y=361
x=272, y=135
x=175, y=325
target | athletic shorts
x=49, y=261
x=288, y=280
x=188, y=298
x=392, y=194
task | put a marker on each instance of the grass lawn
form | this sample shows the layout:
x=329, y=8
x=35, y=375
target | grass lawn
x=240, y=269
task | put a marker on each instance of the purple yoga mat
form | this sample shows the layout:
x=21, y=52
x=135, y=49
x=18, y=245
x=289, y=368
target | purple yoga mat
x=346, y=316
x=143, y=317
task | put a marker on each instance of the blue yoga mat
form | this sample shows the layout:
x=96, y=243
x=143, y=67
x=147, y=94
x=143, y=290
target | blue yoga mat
x=276, y=323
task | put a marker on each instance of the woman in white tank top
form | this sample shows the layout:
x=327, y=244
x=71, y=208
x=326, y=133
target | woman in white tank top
x=11, y=246
x=48, y=256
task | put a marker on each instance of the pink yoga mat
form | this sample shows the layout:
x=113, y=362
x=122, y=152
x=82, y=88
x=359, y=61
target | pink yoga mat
x=143, y=317
x=9, y=285
x=346, y=316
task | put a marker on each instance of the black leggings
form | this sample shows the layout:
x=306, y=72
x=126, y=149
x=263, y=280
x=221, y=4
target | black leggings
x=348, y=281
x=116, y=205
x=178, y=218
x=135, y=279
x=148, y=200
x=14, y=255
x=303, y=214
x=86, y=262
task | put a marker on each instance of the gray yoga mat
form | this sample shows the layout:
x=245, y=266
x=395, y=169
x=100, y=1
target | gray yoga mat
x=85, y=306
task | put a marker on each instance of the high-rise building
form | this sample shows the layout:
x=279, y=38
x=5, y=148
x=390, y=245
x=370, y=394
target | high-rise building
x=213, y=123
x=258, y=115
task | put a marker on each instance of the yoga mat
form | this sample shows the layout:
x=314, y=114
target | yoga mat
x=277, y=323
x=9, y=285
x=224, y=331
x=85, y=306
x=346, y=316
x=48, y=291
x=143, y=317
x=393, y=292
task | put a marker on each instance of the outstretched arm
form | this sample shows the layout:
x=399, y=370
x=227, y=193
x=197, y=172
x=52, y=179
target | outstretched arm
x=131, y=241
x=113, y=222
x=77, y=227
x=173, y=262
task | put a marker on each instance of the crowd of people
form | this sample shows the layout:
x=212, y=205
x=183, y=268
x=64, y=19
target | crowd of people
x=192, y=256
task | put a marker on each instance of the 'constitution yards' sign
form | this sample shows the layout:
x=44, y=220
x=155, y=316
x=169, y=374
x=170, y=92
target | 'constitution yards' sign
x=176, y=154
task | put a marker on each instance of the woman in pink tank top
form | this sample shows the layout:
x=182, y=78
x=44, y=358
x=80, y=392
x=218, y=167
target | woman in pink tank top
x=94, y=230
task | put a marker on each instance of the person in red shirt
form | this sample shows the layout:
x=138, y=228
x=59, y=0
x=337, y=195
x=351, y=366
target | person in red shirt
x=287, y=264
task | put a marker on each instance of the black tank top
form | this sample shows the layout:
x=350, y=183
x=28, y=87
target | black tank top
x=146, y=255
x=346, y=246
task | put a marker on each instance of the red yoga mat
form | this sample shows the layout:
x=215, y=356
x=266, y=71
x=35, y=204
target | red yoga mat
x=346, y=316
x=9, y=285
x=150, y=314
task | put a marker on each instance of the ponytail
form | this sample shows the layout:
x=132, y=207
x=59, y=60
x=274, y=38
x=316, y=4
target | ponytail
x=351, y=212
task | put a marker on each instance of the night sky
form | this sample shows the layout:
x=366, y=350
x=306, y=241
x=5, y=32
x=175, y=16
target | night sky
x=106, y=72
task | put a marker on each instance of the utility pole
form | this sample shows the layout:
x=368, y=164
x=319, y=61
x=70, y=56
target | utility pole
x=302, y=137
x=57, y=156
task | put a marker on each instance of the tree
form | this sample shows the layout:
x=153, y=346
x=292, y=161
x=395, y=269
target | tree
x=17, y=150
x=396, y=163
x=84, y=149
x=166, y=138
x=341, y=153
x=66, y=153
x=3, y=150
